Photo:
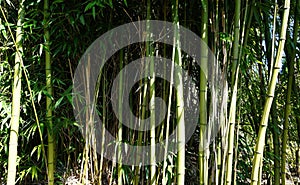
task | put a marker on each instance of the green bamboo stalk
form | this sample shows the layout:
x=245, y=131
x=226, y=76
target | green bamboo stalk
x=296, y=94
x=236, y=155
x=179, y=100
x=120, y=130
x=287, y=110
x=103, y=128
x=234, y=82
x=259, y=148
x=104, y=109
x=224, y=127
x=232, y=112
x=203, y=97
x=143, y=102
x=273, y=40
x=169, y=97
x=149, y=53
x=270, y=58
x=16, y=101
x=237, y=14
x=88, y=120
x=152, y=129
x=298, y=151
x=49, y=114
x=275, y=144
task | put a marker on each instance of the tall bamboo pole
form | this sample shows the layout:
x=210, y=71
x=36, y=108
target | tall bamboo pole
x=180, y=129
x=120, y=129
x=259, y=148
x=149, y=53
x=287, y=111
x=16, y=98
x=51, y=152
x=232, y=112
x=275, y=144
x=203, y=96
x=234, y=82
x=168, y=95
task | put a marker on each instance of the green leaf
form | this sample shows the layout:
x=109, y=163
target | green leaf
x=33, y=173
x=81, y=18
x=58, y=1
x=89, y=6
x=3, y=30
x=47, y=94
x=58, y=102
x=111, y=3
x=94, y=12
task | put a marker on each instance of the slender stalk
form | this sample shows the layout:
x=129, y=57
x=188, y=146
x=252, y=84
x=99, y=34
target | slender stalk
x=298, y=151
x=169, y=96
x=224, y=127
x=143, y=102
x=231, y=131
x=236, y=154
x=16, y=101
x=259, y=148
x=287, y=110
x=237, y=14
x=276, y=146
x=273, y=40
x=88, y=121
x=149, y=53
x=49, y=114
x=234, y=82
x=120, y=130
x=103, y=128
x=179, y=100
x=203, y=97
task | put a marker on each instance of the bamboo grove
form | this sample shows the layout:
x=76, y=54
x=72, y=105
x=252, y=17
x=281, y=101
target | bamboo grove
x=256, y=48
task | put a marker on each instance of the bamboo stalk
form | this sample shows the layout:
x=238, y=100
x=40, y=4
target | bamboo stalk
x=16, y=101
x=49, y=114
x=149, y=53
x=287, y=110
x=203, y=97
x=168, y=98
x=259, y=148
x=234, y=82
x=120, y=130
x=275, y=144
x=180, y=129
